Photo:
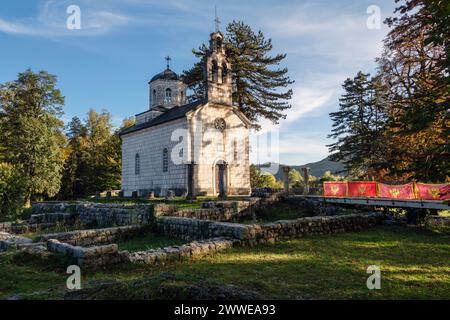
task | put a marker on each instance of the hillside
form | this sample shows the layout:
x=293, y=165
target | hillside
x=317, y=168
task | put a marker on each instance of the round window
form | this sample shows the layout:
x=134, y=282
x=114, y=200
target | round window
x=220, y=124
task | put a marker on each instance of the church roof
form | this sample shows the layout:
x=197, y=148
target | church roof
x=172, y=114
x=166, y=75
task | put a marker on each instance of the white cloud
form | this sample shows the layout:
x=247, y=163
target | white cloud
x=297, y=148
x=322, y=32
x=307, y=100
x=52, y=17
x=13, y=28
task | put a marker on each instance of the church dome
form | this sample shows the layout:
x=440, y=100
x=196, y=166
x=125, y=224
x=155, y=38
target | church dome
x=166, y=75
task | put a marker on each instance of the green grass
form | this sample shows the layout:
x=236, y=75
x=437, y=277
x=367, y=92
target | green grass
x=149, y=241
x=415, y=264
x=278, y=211
x=182, y=202
x=58, y=228
x=21, y=274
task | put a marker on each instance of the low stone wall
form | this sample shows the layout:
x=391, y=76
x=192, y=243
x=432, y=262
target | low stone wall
x=24, y=227
x=224, y=211
x=5, y=226
x=178, y=253
x=315, y=207
x=94, y=236
x=8, y=241
x=108, y=214
x=89, y=257
x=91, y=213
x=56, y=217
x=249, y=235
x=50, y=207
x=114, y=214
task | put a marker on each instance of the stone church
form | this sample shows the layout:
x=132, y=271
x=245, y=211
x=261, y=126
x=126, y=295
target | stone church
x=196, y=148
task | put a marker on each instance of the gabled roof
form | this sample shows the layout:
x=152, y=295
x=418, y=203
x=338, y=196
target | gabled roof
x=172, y=114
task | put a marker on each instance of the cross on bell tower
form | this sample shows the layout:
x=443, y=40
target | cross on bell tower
x=216, y=19
x=168, y=59
x=217, y=70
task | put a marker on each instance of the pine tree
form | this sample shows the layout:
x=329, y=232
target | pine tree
x=260, y=87
x=72, y=184
x=358, y=124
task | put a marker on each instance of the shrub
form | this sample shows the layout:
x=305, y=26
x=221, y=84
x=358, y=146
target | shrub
x=416, y=215
x=13, y=192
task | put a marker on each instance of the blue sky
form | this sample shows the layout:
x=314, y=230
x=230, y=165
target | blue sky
x=122, y=44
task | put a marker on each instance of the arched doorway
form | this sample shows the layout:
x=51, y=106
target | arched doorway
x=220, y=177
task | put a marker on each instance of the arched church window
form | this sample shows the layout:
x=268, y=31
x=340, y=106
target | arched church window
x=154, y=96
x=137, y=164
x=224, y=73
x=215, y=71
x=165, y=160
x=218, y=43
x=168, y=95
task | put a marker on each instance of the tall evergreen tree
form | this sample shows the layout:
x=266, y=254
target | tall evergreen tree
x=260, y=87
x=72, y=184
x=358, y=124
x=31, y=131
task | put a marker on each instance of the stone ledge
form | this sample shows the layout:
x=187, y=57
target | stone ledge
x=94, y=236
x=191, y=229
x=178, y=253
x=91, y=257
x=8, y=241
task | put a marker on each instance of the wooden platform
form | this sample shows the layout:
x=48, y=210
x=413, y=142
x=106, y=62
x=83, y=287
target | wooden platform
x=383, y=202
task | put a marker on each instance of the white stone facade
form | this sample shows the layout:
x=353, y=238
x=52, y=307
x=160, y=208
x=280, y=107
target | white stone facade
x=230, y=146
x=203, y=144
x=149, y=144
x=200, y=148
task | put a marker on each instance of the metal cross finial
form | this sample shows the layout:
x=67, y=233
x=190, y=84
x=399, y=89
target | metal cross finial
x=216, y=20
x=168, y=59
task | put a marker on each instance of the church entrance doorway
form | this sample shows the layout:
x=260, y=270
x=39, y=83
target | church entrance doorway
x=220, y=177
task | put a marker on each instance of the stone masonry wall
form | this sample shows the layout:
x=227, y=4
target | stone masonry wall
x=91, y=213
x=249, y=235
x=226, y=210
x=149, y=143
x=232, y=147
x=89, y=257
x=114, y=214
x=24, y=227
x=93, y=237
x=178, y=253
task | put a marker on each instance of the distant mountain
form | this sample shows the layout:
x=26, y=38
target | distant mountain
x=317, y=168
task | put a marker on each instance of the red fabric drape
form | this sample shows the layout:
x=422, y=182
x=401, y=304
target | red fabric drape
x=404, y=191
x=335, y=189
x=432, y=191
x=362, y=189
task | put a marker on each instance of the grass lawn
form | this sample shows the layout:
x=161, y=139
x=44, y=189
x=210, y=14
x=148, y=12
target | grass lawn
x=414, y=264
x=149, y=241
x=59, y=228
x=181, y=202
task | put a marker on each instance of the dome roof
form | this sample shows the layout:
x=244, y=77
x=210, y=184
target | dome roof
x=166, y=75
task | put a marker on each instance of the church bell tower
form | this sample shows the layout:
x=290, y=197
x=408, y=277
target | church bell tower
x=217, y=71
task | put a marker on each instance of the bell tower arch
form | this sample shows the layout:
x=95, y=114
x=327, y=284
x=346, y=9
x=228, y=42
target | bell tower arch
x=217, y=72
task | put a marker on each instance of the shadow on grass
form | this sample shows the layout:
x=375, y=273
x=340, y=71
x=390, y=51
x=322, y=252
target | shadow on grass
x=414, y=265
